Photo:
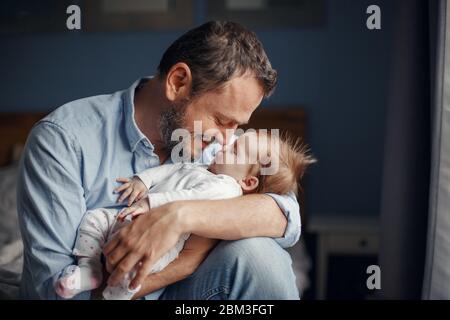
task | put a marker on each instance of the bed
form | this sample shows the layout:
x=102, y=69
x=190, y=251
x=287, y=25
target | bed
x=14, y=128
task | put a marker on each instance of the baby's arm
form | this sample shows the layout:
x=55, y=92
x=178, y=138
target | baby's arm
x=158, y=174
x=137, y=187
x=206, y=190
x=213, y=189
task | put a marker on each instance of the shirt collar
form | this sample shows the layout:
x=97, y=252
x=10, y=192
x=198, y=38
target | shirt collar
x=134, y=135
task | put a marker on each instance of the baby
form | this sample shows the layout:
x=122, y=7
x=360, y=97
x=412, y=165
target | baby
x=236, y=170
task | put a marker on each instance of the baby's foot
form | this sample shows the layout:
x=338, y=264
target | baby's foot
x=75, y=280
x=69, y=284
x=122, y=290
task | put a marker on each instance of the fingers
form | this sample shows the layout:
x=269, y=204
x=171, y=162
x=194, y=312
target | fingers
x=142, y=195
x=134, y=196
x=125, y=266
x=141, y=274
x=126, y=212
x=125, y=195
x=122, y=187
x=123, y=179
x=136, y=213
x=110, y=246
x=109, y=268
x=115, y=260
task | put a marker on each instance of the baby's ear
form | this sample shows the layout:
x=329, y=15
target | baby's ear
x=249, y=183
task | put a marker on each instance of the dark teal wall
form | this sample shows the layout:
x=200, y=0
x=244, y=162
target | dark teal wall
x=338, y=72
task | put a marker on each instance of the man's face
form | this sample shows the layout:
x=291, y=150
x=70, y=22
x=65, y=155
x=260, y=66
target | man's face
x=221, y=111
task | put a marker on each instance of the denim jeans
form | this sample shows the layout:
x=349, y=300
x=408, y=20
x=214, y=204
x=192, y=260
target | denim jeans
x=254, y=268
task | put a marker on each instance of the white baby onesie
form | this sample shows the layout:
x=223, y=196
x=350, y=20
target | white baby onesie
x=166, y=183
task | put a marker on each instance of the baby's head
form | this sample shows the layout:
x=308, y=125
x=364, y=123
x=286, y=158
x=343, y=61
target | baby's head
x=261, y=162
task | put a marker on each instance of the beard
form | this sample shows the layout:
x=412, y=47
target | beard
x=170, y=120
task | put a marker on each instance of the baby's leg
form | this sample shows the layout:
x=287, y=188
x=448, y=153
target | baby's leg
x=87, y=275
x=92, y=235
x=122, y=292
x=171, y=255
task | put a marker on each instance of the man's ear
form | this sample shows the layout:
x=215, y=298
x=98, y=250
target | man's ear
x=178, y=82
x=249, y=183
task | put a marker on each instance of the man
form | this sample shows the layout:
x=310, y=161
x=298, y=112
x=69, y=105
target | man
x=218, y=74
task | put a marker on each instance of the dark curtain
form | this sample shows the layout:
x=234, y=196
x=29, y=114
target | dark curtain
x=437, y=271
x=406, y=170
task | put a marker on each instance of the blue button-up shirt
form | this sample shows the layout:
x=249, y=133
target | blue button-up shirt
x=69, y=165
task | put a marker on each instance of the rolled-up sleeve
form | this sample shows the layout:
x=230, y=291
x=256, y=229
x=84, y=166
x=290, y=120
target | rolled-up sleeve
x=291, y=209
x=50, y=205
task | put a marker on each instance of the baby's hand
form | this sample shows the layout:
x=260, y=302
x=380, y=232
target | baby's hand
x=140, y=207
x=133, y=189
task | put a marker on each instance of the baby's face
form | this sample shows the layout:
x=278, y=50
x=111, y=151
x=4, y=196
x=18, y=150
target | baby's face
x=237, y=160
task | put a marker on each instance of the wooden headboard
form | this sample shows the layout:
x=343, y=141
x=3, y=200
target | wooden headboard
x=14, y=129
x=291, y=120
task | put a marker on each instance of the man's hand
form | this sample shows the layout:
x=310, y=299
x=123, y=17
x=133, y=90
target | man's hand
x=133, y=189
x=151, y=235
x=145, y=240
x=195, y=251
x=140, y=207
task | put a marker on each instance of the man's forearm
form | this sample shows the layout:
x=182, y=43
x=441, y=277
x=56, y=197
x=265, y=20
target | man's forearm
x=194, y=252
x=255, y=215
x=242, y=217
